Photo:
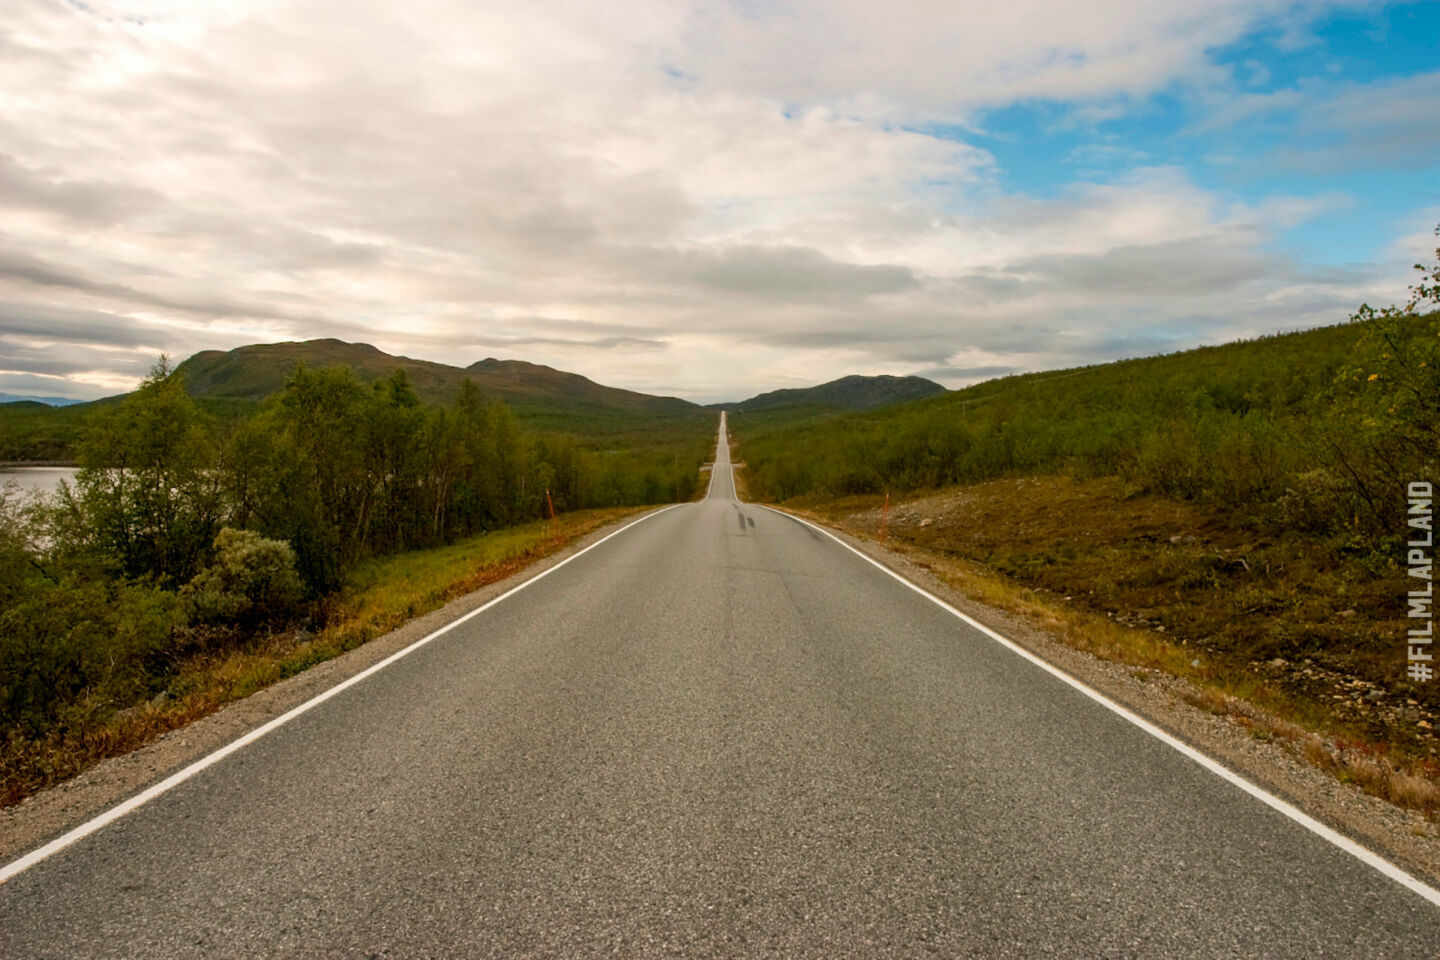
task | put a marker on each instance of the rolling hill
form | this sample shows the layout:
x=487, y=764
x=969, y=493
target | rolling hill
x=47, y=401
x=254, y=372
x=848, y=393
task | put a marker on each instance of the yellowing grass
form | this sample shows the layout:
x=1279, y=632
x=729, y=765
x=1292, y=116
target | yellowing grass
x=384, y=593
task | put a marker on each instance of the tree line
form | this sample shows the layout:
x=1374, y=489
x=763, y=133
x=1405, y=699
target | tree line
x=182, y=532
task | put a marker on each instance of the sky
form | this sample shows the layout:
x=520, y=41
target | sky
x=704, y=199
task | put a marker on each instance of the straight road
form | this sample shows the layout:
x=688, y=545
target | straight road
x=717, y=734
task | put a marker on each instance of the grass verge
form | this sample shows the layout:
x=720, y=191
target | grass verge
x=380, y=595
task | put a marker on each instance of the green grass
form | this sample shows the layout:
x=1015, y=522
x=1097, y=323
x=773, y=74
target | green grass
x=384, y=590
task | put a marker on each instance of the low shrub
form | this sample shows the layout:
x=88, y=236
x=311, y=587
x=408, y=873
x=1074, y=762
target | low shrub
x=252, y=581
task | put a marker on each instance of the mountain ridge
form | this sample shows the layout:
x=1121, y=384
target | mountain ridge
x=255, y=371
x=46, y=401
x=853, y=392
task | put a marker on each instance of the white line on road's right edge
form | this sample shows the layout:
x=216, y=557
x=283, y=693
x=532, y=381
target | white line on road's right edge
x=1364, y=855
x=16, y=867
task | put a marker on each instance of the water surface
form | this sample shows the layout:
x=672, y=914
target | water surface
x=43, y=479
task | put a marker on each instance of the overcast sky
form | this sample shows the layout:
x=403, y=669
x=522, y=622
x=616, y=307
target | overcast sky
x=703, y=199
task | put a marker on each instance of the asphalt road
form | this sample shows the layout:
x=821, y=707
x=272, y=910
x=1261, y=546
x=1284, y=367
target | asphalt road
x=716, y=734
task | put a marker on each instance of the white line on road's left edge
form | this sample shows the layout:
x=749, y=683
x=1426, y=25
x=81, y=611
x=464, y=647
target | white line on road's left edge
x=16, y=867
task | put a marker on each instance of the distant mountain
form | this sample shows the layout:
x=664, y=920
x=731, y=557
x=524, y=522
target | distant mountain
x=851, y=393
x=48, y=401
x=255, y=372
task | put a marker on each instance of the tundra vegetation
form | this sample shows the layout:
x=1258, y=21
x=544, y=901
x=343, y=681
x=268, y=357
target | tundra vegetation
x=1234, y=515
x=197, y=556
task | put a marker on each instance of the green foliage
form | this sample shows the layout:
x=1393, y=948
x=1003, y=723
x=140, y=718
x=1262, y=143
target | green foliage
x=344, y=470
x=1387, y=416
x=147, y=490
x=81, y=645
x=251, y=580
x=39, y=432
x=71, y=644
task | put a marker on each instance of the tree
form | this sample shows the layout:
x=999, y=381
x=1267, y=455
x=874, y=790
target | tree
x=306, y=474
x=1388, y=401
x=149, y=496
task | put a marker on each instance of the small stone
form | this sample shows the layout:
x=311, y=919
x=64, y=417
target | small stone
x=1194, y=663
x=1279, y=662
x=1346, y=613
x=926, y=522
x=1423, y=724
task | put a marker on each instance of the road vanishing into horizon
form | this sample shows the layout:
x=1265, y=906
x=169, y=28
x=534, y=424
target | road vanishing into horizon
x=718, y=733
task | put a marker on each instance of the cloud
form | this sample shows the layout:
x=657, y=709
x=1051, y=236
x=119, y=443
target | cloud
x=79, y=201
x=939, y=58
x=794, y=273
x=1328, y=126
x=705, y=198
x=52, y=324
x=601, y=343
x=1195, y=267
x=1384, y=125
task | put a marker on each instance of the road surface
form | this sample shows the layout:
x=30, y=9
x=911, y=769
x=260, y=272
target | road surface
x=716, y=734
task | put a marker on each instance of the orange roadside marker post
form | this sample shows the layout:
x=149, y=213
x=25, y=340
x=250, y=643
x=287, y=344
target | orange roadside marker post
x=554, y=524
x=884, y=517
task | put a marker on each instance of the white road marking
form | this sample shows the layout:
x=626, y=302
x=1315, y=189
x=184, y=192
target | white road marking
x=16, y=867
x=1364, y=855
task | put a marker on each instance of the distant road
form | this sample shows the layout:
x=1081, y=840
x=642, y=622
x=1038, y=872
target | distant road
x=718, y=733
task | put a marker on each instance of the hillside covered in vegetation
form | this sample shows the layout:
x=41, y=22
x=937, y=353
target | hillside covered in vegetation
x=847, y=393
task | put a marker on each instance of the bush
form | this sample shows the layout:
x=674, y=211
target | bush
x=252, y=581
x=71, y=645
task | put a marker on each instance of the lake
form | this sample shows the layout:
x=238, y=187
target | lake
x=43, y=479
